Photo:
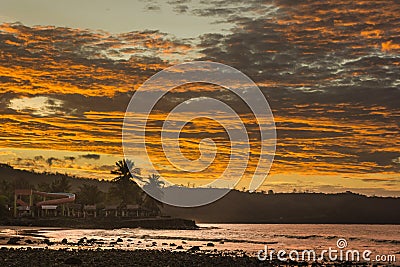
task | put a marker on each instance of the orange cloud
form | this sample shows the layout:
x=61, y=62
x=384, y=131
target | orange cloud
x=389, y=46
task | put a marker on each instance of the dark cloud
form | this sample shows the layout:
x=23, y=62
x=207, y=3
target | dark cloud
x=38, y=158
x=152, y=8
x=54, y=52
x=178, y=2
x=181, y=9
x=70, y=158
x=91, y=156
x=106, y=168
x=50, y=161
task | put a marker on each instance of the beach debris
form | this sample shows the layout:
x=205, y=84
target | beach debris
x=119, y=240
x=82, y=241
x=92, y=241
x=179, y=247
x=14, y=241
x=64, y=241
x=47, y=242
x=172, y=245
x=210, y=244
x=194, y=248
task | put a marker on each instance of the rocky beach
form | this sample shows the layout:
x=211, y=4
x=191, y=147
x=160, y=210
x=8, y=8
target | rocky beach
x=115, y=257
x=32, y=246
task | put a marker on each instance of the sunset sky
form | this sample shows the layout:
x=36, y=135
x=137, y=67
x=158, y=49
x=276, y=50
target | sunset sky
x=329, y=69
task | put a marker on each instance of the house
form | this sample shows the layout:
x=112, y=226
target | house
x=89, y=211
x=111, y=211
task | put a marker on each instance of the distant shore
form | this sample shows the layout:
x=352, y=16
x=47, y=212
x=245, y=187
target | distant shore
x=103, y=223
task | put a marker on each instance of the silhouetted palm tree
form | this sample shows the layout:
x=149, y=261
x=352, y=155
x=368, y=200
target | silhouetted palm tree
x=154, y=181
x=125, y=170
x=125, y=187
x=154, y=193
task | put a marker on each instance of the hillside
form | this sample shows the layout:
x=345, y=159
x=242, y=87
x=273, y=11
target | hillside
x=242, y=207
x=26, y=178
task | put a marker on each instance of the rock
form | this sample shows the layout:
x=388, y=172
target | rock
x=73, y=261
x=164, y=244
x=194, y=248
x=172, y=245
x=13, y=241
x=154, y=244
x=64, y=241
x=28, y=241
x=184, y=242
x=179, y=247
x=119, y=240
x=210, y=244
x=47, y=242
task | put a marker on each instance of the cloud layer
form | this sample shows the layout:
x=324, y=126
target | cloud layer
x=330, y=72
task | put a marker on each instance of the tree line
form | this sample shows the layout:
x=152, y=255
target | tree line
x=123, y=190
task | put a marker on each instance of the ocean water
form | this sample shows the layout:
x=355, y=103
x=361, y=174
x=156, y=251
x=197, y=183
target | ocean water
x=380, y=239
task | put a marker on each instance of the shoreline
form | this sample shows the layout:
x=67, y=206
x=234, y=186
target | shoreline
x=300, y=223
x=104, y=223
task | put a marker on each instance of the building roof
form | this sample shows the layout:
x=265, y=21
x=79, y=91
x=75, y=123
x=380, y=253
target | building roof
x=111, y=207
x=89, y=207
